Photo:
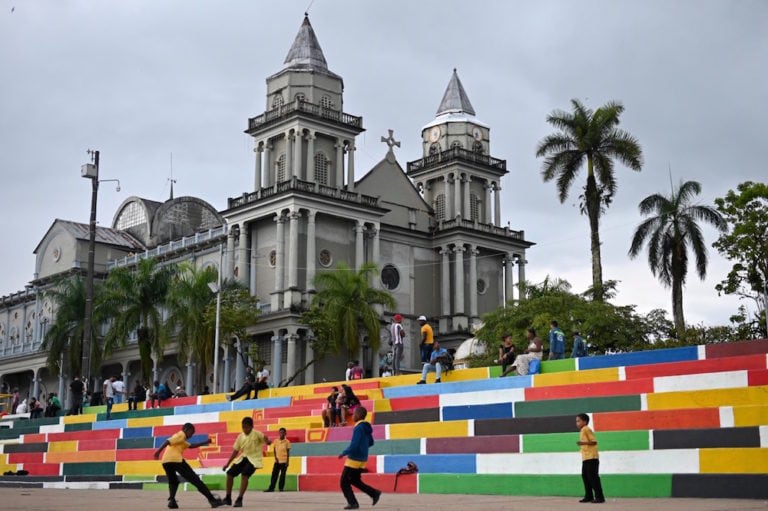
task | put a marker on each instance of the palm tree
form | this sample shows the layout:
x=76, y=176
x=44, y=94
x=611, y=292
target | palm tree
x=133, y=300
x=189, y=298
x=670, y=233
x=592, y=137
x=345, y=301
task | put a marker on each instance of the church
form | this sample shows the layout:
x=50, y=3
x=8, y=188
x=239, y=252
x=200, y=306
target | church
x=433, y=228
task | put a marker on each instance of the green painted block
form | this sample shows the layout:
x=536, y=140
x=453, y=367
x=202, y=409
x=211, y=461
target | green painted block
x=88, y=468
x=95, y=409
x=566, y=442
x=155, y=486
x=401, y=446
x=256, y=482
x=554, y=407
x=566, y=485
x=135, y=443
x=494, y=371
x=78, y=426
x=558, y=366
x=17, y=431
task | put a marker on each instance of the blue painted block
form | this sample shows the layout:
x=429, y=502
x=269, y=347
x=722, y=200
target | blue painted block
x=252, y=404
x=640, y=358
x=137, y=432
x=110, y=424
x=431, y=389
x=187, y=409
x=488, y=411
x=194, y=439
x=433, y=463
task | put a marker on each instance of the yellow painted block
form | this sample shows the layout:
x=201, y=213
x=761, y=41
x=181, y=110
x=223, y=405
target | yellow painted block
x=143, y=422
x=382, y=405
x=756, y=415
x=742, y=460
x=475, y=373
x=708, y=398
x=80, y=456
x=213, y=398
x=573, y=377
x=398, y=381
x=79, y=419
x=429, y=429
x=120, y=407
x=235, y=416
x=142, y=468
x=63, y=446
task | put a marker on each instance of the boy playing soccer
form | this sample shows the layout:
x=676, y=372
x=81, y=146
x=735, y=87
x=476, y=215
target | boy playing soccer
x=249, y=446
x=282, y=448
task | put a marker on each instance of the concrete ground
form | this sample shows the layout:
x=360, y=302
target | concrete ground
x=137, y=500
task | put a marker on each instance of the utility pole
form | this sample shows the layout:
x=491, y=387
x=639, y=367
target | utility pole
x=90, y=171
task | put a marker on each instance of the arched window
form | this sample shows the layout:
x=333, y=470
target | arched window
x=280, y=164
x=439, y=206
x=321, y=168
x=325, y=102
x=277, y=100
x=434, y=149
x=474, y=207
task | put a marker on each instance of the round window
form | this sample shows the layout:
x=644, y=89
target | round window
x=482, y=287
x=325, y=258
x=273, y=258
x=390, y=277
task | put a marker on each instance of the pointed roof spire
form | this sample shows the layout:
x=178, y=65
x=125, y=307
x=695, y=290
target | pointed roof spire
x=306, y=51
x=455, y=98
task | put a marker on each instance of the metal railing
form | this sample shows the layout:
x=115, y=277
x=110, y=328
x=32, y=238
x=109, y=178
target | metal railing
x=321, y=112
x=168, y=248
x=298, y=185
x=456, y=153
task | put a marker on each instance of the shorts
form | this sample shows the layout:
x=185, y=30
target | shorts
x=245, y=468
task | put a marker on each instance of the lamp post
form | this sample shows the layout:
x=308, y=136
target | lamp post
x=90, y=171
x=216, y=288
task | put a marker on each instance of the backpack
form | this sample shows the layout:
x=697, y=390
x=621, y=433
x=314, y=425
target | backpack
x=409, y=468
x=534, y=366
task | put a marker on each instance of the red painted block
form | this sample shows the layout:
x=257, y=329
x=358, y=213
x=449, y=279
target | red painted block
x=358, y=385
x=414, y=403
x=384, y=482
x=697, y=366
x=97, y=445
x=25, y=457
x=344, y=434
x=478, y=444
x=313, y=401
x=732, y=349
x=332, y=464
x=135, y=455
x=693, y=418
x=611, y=388
x=757, y=377
x=99, y=434
x=42, y=469
x=35, y=438
x=202, y=428
x=179, y=401
x=294, y=435
x=288, y=411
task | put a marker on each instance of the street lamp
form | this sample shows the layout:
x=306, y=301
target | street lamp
x=216, y=288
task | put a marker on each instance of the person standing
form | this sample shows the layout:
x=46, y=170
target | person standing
x=108, y=391
x=427, y=338
x=556, y=342
x=579, y=346
x=175, y=465
x=397, y=334
x=15, y=400
x=139, y=395
x=590, y=462
x=247, y=449
x=282, y=450
x=357, y=457
x=76, y=389
x=119, y=387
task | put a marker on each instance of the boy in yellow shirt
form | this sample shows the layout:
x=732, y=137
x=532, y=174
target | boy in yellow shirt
x=248, y=446
x=590, y=462
x=282, y=448
x=175, y=465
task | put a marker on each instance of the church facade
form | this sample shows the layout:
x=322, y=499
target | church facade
x=432, y=228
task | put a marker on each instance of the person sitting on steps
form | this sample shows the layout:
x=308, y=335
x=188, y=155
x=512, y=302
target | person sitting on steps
x=436, y=360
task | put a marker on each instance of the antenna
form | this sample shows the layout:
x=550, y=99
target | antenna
x=306, y=11
x=671, y=186
x=170, y=179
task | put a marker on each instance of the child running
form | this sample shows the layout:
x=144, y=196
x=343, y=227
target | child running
x=248, y=446
x=175, y=465
x=282, y=448
x=357, y=456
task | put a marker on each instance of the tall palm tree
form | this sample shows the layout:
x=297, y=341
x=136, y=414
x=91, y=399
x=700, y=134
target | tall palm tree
x=346, y=300
x=671, y=232
x=134, y=300
x=189, y=298
x=591, y=137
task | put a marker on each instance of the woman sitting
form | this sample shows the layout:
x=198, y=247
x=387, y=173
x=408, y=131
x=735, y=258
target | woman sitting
x=506, y=354
x=534, y=350
x=348, y=403
x=331, y=411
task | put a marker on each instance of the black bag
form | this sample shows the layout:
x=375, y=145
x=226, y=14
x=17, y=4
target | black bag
x=409, y=468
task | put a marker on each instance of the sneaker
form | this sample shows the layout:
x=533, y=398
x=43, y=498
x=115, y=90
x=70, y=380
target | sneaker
x=376, y=498
x=598, y=501
x=229, y=398
x=238, y=502
x=352, y=506
x=227, y=501
x=172, y=504
x=269, y=490
x=216, y=502
x=437, y=380
x=585, y=500
x=420, y=382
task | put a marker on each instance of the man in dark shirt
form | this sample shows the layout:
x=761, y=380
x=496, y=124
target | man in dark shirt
x=76, y=389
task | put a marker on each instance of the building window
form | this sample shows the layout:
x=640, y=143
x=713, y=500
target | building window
x=439, y=206
x=280, y=164
x=133, y=214
x=321, y=169
x=482, y=287
x=277, y=101
x=390, y=277
x=474, y=207
x=325, y=102
x=325, y=258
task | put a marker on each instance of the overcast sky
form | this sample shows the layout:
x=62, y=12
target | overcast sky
x=141, y=80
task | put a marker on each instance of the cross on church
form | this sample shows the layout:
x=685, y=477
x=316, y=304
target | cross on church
x=390, y=140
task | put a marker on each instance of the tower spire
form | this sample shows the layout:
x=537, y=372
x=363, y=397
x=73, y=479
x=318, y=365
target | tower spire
x=455, y=99
x=305, y=51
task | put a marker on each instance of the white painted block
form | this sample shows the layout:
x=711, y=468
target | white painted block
x=194, y=418
x=726, y=417
x=622, y=373
x=707, y=381
x=52, y=428
x=482, y=397
x=763, y=436
x=702, y=352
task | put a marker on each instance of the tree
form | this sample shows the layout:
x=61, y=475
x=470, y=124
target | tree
x=344, y=307
x=189, y=298
x=133, y=300
x=670, y=233
x=746, y=244
x=591, y=137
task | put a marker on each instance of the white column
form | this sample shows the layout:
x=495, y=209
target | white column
x=457, y=195
x=458, y=293
x=242, y=255
x=290, y=369
x=339, y=164
x=311, y=249
x=359, y=255
x=487, y=203
x=467, y=210
x=270, y=169
x=473, y=281
x=279, y=256
x=447, y=196
x=309, y=374
x=277, y=360
x=189, y=381
x=509, y=281
x=297, y=142
x=252, y=264
x=351, y=166
x=257, y=170
x=288, y=155
x=311, y=156
x=376, y=255
x=445, y=284
x=293, y=250
x=521, y=276
x=230, y=266
x=497, y=205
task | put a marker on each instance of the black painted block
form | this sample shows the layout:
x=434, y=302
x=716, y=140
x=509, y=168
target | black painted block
x=706, y=438
x=720, y=486
x=406, y=416
x=523, y=425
